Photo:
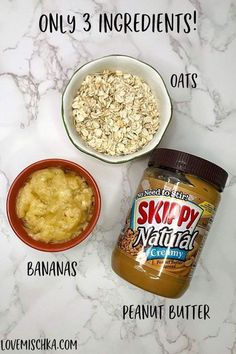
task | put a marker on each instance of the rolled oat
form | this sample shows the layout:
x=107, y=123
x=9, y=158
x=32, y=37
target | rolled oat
x=115, y=113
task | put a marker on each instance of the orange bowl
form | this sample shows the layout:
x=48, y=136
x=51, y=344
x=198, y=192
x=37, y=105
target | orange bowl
x=17, y=224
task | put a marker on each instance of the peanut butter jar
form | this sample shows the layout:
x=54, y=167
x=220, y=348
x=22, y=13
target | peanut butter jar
x=166, y=227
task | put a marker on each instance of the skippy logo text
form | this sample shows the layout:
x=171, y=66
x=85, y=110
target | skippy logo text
x=166, y=222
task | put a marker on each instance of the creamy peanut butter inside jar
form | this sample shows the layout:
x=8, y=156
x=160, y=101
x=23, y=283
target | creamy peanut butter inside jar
x=171, y=215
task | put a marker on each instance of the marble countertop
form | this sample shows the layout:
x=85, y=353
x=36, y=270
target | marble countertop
x=34, y=68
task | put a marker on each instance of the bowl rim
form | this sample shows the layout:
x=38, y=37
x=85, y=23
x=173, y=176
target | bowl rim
x=99, y=157
x=18, y=183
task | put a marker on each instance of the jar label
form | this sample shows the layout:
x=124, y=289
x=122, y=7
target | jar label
x=165, y=230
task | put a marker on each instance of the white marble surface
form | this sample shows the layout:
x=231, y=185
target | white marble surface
x=34, y=68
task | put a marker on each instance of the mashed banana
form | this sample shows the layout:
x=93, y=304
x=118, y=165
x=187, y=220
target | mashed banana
x=55, y=205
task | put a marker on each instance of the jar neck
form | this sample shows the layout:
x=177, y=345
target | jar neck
x=183, y=174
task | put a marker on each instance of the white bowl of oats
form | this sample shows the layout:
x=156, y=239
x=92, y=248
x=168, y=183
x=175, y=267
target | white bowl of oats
x=116, y=108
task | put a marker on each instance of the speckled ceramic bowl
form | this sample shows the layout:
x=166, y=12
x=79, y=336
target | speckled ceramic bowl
x=128, y=65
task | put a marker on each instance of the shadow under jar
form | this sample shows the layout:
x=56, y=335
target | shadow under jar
x=171, y=215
